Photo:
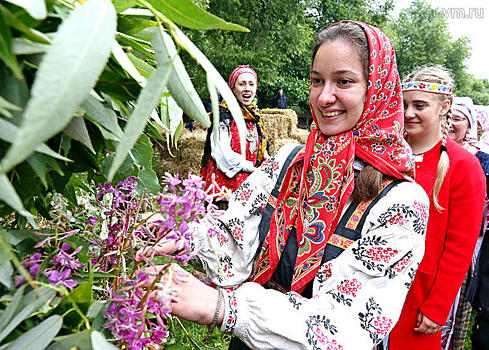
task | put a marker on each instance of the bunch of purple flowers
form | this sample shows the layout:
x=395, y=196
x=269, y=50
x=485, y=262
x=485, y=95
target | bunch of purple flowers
x=137, y=227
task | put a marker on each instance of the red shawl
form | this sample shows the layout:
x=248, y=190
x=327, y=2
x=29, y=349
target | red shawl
x=319, y=183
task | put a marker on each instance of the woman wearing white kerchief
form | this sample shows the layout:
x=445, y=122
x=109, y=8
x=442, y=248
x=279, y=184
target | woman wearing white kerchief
x=464, y=131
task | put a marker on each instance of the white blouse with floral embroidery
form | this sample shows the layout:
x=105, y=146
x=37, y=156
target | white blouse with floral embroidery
x=357, y=297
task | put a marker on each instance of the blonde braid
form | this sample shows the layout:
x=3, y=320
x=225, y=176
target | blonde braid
x=444, y=161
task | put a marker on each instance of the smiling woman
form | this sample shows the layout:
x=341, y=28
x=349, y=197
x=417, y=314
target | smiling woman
x=223, y=167
x=300, y=261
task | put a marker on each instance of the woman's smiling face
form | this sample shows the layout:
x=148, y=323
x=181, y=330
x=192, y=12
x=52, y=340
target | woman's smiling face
x=245, y=88
x=338, y=86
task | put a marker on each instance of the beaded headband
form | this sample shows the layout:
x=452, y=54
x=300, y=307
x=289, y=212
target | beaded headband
x=427, y=87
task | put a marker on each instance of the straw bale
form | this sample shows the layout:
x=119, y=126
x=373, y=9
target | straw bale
x=281, y=126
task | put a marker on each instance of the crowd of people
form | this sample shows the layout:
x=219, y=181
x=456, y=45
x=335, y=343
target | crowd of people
x=369, y=236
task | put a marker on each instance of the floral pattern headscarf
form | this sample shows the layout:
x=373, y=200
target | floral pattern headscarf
x=318, y=184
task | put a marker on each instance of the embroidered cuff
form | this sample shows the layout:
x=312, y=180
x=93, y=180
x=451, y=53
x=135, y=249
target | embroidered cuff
x=230, y=311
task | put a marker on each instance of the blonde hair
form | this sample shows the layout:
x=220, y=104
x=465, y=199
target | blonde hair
x=439, y=75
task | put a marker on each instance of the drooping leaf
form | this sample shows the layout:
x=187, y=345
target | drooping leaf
x=5, y=106
x=78, y=341
x=122, y=5
x=102, y=115
x=190, y=15
x=35, y=8
x=143, y=68
x=39, y=336
x=8, y=132
x=147, y=100
x=6, y=53
x=29, y=33
x=30, y=303
x=10, y=196
x=218, y=82
x=126, y=63
x=179, y=83
x=21, y=46
x=11, y=308
x=6, y=271
x=67, y=73
x=100, y=343
x=77, y=130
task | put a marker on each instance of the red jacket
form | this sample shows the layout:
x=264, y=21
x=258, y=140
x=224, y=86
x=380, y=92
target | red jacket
x=450, y=240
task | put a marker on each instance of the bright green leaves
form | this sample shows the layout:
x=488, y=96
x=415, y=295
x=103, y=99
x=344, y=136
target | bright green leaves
x=188, y=14
x=69, y=69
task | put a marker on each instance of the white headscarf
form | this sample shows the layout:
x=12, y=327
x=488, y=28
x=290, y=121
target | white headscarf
x=466, y=106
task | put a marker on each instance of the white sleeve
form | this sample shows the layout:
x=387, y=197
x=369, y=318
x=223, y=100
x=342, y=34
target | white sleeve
x=227, y=256
x=228, y=161
x=357, y=297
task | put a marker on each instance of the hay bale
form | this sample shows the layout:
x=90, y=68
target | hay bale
x=281, y=126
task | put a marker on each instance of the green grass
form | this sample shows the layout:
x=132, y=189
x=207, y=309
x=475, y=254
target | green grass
x=179, y=340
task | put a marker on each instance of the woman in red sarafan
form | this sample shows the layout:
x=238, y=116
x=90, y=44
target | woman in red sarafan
x=455, y=183
x=222, y=162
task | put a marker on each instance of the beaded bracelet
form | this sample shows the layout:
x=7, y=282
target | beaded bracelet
x=210, y=328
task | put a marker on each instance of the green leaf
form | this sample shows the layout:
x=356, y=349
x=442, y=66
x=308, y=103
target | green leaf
x=179, y=83
x=6, y=271
x=6, y=105
x=67, y=73
x=78, y=341
x=6, y=53
x=143, y=68
x=218, y=82
x=100, y=343
x=30, y=33
x=122, y=5
x=190, y=15
x=11, y=308
x=10, y=197
x=82, y=294
x=147, y=100
x=21, y=46
x=40, y=336
x=29, y=304
x=35, y=8
x=143, y=152
x=149, y=181
x=8, y=132
x=106, y=117
x=126, y=63
x=77, y=130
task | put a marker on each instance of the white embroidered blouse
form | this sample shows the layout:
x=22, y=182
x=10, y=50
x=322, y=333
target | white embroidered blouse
x=357, y=297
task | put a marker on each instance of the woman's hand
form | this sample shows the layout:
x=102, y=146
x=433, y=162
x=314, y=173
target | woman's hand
x=426, y=326
x=196, y=301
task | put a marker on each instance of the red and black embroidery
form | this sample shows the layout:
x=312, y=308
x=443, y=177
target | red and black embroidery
x=373, y=322
x=399, y=214
x=243, y=193
x=259, y=204
x=345, y=291
x=227, y=266
x=371, y=254
x=232, y=311
x=269, y=166
x=324, y=273
x=395, y=269
x=317, y=326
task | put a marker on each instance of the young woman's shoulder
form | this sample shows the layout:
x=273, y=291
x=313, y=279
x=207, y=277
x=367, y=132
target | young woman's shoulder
x=408, y=192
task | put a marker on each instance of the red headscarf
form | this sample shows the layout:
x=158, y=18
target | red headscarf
x=318, y=184
x=237, y=72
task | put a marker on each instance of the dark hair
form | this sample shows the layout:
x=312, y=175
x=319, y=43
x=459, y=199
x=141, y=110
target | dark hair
x=349, y=31
x=369, y=181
